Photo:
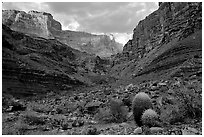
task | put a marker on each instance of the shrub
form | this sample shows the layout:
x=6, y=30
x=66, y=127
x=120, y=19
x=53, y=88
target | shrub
x=58, y=120
x=171, y=114
x=104, y=115
x=118, y=111
x=32, y=118
x=18, y=128
x=41, y=108
x=190, y=102
x=21, y=127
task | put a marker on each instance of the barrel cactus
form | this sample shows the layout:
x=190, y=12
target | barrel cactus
x=149, y=118
x=140, y=103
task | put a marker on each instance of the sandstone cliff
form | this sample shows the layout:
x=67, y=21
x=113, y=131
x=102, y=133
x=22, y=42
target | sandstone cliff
x=42, y=24
x=158, y=33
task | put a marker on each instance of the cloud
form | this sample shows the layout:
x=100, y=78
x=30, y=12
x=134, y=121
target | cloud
x=25, y=6
x=94, y=17
x=122, y=37
x=107, y=17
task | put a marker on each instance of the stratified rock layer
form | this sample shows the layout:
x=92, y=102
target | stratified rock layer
x=171, y=21
x=165, y=40
x=32, y=65
x=42, y=24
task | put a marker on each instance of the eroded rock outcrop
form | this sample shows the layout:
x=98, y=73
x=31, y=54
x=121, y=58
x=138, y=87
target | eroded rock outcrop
x=163, y=40
x=42, y=24
x=173, y=20
x=36, y=23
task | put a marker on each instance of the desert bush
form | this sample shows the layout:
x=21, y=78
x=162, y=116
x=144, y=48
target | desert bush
x=104, y=115
x=41, y=108
x=118, y=111
x=9, y=103
x=171, y=114
x=190, y=102
x=58, y=120
x=32, y=118
x=18, y=128
x=21, y=127
x=6, y=100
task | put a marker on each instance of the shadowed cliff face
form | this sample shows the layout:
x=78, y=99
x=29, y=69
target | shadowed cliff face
x=32, y=65
x=165, y=39
x=43, y=25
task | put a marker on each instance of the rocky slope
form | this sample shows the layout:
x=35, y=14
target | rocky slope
x=33, y=65
x=106, y=111
x=43, y=25
x=163, y=42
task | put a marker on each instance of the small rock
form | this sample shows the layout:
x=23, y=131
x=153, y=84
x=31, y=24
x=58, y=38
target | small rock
x=190, y=131
x=156, y=129
x=92, y=122
x=107, y=91
x=46, y=129
x=16, y=105
x=129, y=87
x=78, y=123
x=138, y=131
x=66, y=126
x=74, y=118
x=93, y=106
x=162, y=84
x=92, y=130
x=130, y=116
x=123, y=124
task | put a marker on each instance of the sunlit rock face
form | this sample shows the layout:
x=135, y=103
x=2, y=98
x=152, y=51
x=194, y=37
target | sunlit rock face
x=37, y=23
x=42, y=24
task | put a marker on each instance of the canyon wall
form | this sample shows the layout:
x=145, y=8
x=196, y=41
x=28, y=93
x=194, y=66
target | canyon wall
x=42, y=24
x=173, y=20
x=159, y=32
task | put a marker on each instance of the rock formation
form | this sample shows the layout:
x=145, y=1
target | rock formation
x=171, y=21
x=42, y=24
x=36, y=23
x=33, y=65
x=160, y=41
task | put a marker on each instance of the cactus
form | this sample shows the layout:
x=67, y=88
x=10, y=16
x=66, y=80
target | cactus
x=149, y=118
x=140, y=103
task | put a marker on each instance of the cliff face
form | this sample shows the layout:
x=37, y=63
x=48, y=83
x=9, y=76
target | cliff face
x=171, y=23
x=32, y=65
x=42, y=24
x=100, y=45
x=37, y=23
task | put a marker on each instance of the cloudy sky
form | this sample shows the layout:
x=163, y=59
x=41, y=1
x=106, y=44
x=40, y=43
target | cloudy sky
x=117, y=18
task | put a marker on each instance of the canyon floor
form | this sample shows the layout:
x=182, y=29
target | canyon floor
x=106, y=110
